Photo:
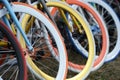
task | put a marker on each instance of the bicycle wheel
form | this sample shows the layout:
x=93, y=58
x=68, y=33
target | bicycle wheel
x=58, y=5
x=62, y=65
x=77, y=77
x=13, y=65
x=112, y=23
x=99, y=31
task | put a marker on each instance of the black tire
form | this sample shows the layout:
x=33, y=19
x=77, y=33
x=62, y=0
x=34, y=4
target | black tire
x=17, y=55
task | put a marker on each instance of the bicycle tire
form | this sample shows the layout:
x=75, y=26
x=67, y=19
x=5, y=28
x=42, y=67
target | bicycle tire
x=99, y=60
x=18, y=54
x=114, y=53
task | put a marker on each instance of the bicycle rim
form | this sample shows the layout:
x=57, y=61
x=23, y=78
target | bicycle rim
x=82, y=74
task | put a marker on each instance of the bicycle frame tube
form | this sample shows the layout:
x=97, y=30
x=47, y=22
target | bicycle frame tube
x=6, y=22
x=12, y=14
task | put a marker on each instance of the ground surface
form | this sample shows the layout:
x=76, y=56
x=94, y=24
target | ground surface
x=109, y=71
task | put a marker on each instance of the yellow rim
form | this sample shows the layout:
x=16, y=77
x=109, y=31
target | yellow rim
x=89, y=36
